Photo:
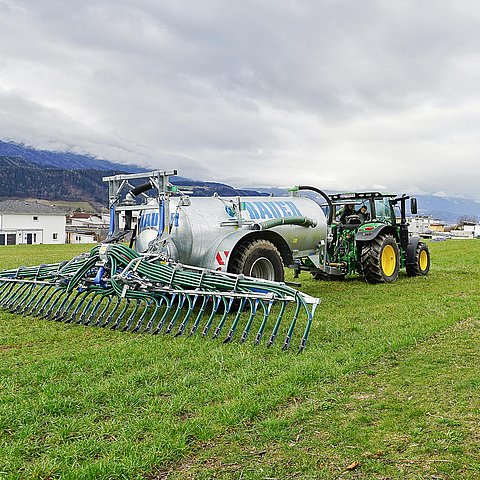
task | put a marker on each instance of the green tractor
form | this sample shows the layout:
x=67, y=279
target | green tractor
x=368, y=234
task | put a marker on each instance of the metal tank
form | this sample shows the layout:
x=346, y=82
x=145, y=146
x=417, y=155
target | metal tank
x=253, y=236
x=206, y=231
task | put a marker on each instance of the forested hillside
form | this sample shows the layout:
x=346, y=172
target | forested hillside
x=20, y=178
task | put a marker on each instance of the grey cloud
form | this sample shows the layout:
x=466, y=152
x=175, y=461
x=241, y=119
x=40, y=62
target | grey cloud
x=340, y=94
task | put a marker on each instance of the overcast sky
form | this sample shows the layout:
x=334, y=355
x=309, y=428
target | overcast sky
x=337, y=94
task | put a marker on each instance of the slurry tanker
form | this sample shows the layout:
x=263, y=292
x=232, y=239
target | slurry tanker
x=258, y=236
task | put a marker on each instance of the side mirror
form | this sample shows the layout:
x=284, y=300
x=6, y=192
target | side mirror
x=413, y=206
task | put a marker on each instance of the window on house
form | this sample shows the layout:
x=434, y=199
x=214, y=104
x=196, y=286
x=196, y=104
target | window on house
x=55, y=236
x=35, y=219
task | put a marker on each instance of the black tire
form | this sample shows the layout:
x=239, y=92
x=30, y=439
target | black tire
x=421, y=265
x=260, y=259
x=380, y=260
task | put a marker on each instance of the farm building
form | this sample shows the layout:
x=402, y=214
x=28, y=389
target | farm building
x=30, y=223
x=86, y=227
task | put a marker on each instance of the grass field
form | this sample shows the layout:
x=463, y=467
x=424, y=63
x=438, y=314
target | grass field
x=388, y=388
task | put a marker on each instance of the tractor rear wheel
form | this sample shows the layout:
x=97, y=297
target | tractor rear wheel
x=421, y=262
x=259, y=259
x=380, y=260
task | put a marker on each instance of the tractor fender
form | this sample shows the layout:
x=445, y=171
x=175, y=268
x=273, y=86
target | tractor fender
x=411, y=249
x=219, y=256
x=364, y=235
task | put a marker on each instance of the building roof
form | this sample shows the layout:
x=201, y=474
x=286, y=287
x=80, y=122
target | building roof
x=82, y=215
x=20, y=207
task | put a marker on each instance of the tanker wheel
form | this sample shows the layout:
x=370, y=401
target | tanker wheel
x=421, y=265
x=380, y=260
x=259, y=259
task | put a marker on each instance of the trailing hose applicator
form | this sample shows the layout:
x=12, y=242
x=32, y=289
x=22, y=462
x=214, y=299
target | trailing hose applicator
x=115, y=287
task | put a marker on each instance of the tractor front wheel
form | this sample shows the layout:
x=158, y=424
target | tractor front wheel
x=259, y=259
x=380, y=260
x=421, y=261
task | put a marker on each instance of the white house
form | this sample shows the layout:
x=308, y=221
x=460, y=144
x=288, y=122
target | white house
x=86, y=227
x=421, y=224
x=30, y=223
x=472, y=228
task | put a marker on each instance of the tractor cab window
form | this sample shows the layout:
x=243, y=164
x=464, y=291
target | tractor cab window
x=363, y=212
x=352, y=212
x=383, y=210
x=397, y=212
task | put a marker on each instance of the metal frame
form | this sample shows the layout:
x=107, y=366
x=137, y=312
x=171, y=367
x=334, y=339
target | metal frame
x=159, y=180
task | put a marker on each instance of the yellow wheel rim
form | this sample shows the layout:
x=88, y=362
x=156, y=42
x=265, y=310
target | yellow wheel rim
x=389, y=260
x=423, y=260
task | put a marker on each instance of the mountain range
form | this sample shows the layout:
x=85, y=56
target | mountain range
x=61, y=160
x=27, y=172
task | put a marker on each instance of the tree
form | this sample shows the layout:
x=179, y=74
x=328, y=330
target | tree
x=466, y=219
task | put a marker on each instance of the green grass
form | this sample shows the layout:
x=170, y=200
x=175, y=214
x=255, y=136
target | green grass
x=389, y=380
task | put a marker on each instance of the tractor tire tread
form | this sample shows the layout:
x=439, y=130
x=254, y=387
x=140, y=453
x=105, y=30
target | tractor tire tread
x=414, y=270
x=246, y=249
x=371, y=259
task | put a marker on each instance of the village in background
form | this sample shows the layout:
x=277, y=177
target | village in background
x=32, y=222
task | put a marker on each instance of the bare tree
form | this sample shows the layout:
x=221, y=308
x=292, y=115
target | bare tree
x=466, y=219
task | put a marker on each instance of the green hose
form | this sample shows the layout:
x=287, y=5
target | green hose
x=275, y=222
x=83, y=290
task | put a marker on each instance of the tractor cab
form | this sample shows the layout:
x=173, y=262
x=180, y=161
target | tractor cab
x=358, y=208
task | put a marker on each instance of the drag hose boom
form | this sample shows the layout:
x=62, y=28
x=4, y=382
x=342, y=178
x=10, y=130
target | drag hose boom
x=115, y=287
